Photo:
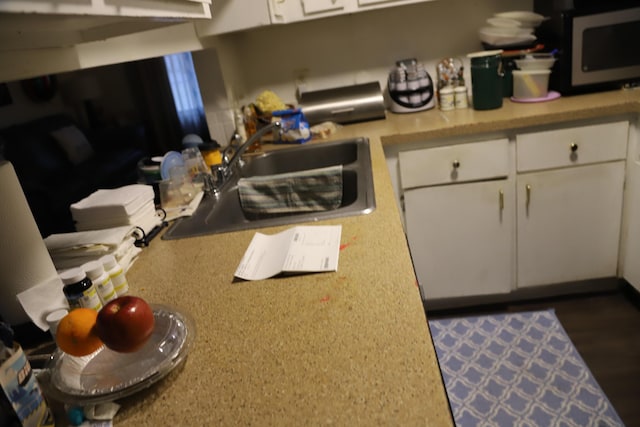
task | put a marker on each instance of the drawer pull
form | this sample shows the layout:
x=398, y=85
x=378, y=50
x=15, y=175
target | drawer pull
x=574, y=147
x=501, y=200
x=528, y=188
x=456, y=164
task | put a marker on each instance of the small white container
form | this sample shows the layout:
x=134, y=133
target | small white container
x=116, y=274
x=95, y=272
x=54, y=318
x=530, y=84
x=447, y=99
x=460, y=95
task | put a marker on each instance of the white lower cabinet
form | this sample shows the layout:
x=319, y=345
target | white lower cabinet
x=493, y=216
x=459, y=218
x=630, y=244
x=461, y=238
x=570, y=185
x=569, y=224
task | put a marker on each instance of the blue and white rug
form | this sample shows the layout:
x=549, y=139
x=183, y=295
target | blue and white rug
x=517, y=369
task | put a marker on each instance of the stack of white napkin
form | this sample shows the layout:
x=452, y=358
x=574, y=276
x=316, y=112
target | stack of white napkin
x=128, y=205
x=68, y=250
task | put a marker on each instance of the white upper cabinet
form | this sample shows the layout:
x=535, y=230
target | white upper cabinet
x=310, y=7
x=285, y=11
x=130, y=8
x=39, y=24
x=385, y=2
x=234, y=15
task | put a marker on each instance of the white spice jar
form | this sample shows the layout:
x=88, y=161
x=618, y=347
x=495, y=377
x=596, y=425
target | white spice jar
x=447, y=99
x=460, y=96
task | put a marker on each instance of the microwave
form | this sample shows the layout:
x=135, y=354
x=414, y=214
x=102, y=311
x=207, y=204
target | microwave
x=597, y=43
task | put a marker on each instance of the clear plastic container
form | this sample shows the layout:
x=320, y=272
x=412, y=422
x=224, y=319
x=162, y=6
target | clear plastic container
x=530, y=84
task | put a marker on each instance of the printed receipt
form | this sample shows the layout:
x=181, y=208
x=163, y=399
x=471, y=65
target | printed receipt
x=299, y=249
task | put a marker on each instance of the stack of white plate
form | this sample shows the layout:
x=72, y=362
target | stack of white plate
x=510, y=28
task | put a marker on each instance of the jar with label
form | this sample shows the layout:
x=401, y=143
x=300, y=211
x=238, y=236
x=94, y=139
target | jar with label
x=447, y=100
x=95, y=272
x=79, y=290
x=460, y=95
x=116, y=274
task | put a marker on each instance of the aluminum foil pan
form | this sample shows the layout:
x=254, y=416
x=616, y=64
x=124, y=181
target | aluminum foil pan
x=106, y=375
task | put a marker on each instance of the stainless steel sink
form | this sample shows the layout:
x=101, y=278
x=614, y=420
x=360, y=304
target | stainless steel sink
x=223, y=213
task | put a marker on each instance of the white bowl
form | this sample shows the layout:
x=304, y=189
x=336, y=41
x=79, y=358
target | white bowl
x=526, y=18
x=506, y=31
x=497, y=37
x=503, y=22
x=541, y=61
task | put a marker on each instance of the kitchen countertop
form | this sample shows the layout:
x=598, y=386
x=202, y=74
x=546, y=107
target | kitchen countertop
x=346, y=348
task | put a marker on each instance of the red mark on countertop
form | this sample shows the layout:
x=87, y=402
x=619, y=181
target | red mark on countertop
x=346, y=245
x=325, y=298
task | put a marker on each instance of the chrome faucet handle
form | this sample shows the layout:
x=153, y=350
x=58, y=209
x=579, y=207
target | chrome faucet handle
x=219, y=175
x=234, y=142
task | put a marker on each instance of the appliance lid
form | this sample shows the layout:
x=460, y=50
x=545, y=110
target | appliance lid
x=348, y=104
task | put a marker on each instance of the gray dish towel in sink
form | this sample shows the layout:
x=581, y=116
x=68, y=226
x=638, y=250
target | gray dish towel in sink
x=305, y=191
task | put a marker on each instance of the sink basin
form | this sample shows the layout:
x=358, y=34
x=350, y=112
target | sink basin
x=223, y=213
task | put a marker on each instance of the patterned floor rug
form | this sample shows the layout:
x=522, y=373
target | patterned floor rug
x=517, y=369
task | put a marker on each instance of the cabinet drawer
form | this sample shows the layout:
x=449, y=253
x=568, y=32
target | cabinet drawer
x=572, y=146
x=455, y=163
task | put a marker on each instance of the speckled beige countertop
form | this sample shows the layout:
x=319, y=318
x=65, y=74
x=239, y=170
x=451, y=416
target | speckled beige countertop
x=344, y=348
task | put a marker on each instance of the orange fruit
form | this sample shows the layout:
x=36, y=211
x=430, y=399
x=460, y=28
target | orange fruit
x=76, y=332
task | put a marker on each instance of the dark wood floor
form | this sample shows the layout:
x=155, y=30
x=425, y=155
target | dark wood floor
x=605, y=328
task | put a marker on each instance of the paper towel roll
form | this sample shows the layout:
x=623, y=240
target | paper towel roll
x=24, y=259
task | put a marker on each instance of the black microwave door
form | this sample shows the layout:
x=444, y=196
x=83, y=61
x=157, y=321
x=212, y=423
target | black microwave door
x=605, y=48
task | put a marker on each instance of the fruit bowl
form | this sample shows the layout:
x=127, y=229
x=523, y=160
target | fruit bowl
x=106, y=375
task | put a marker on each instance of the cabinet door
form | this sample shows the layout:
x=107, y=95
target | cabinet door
x=461, y=238
x=285, y=11
x=569, y=223
x=376, y=2
x=234, y=15
x=147, y=8
x=630, y=236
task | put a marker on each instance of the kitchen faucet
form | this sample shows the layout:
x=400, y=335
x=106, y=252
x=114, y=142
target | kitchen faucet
x=223, y=171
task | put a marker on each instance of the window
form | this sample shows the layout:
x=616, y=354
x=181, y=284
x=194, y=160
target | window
x=186, y=93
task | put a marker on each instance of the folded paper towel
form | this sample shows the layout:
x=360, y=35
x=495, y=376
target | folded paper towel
x=147, y=218
x=120, y=203
x=305, y=191
x=69, y=250
x=93, y=240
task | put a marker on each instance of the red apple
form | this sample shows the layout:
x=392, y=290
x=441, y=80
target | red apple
x=125, y=324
